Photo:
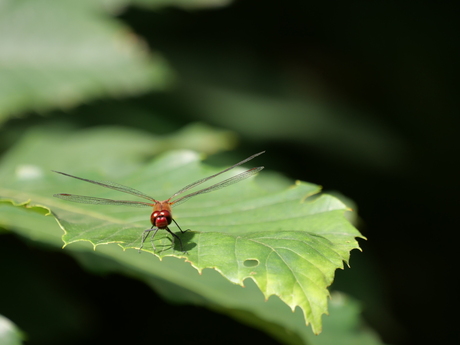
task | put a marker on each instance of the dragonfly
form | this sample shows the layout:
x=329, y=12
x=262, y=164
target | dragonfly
x=161, y=216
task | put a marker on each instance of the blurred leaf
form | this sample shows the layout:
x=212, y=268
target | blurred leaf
x=114, y=6
x=9, y=332
x=189, y=4
x=336, y=130
x=62, y=53
x=344, y=325
x=199, y=137
x=289, y=246
x=117, y=150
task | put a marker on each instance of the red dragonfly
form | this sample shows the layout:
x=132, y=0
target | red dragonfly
x=161, y=216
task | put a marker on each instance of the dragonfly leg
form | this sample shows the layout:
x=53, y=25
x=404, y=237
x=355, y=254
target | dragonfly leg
x=145, y=234
x=180, y=227
x=175, y=236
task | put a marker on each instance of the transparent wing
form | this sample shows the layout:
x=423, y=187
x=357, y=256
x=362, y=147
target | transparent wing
x=100, y=201
x=111, y=185
x=194, y=184
x=222, y=184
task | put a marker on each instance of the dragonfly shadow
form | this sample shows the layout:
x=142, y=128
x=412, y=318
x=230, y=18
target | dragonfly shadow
x=186, y=238
x=181, y=243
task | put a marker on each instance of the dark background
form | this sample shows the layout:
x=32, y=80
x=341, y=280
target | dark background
x=359, y=97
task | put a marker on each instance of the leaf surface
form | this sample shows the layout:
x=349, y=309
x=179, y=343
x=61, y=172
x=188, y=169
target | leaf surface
x=288, y=245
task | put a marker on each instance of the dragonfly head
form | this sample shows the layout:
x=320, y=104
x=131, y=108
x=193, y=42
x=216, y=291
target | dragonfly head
x=161, y=219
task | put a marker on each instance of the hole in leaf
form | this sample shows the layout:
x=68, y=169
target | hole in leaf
x=251, y=263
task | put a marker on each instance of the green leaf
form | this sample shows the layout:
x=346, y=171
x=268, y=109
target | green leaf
x=61, y=53
x=288, y=242
x=9, y=332
x=288, y=246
